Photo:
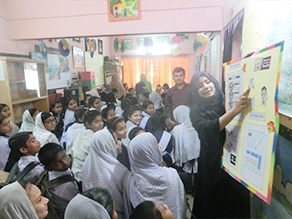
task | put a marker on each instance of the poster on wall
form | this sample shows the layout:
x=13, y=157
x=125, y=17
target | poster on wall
x=249, y=151
x=78, y=57
x=121, y=10
x=57, y=70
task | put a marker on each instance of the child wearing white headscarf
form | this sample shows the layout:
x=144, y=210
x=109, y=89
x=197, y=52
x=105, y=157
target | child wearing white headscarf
x=41, y=133
x=149, y=180
x=102, y=169
x=157, y=101
x=186, y=148
x=28, y=123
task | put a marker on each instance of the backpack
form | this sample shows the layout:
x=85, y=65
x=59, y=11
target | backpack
x=45, y=184
x=13, y=177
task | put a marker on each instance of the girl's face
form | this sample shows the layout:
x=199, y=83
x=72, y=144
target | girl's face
x=121, y=130
x=136, y=117
x=35, y=114
x=50, y=123
x=58, y=108
x=118, y=143
x=150, y=110
x=72, y=105
x=6, y=112
x=5, y=126
x=39, y=202
x=110, y=114
x=96, y=124
x=97, y=104
x=206, y=87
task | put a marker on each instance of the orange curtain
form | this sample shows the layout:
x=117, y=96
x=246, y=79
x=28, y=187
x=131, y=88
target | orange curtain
x=180, y=61
x=161, y=66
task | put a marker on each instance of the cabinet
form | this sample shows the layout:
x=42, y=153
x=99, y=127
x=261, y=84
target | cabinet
x=23, y=85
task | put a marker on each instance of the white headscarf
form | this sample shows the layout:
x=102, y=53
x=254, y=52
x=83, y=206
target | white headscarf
x=156, y=100
x=14, y=203
x=186, y=140
x=151, y=181
x=41, y=133
x=102, y=169
x=81, y=207
x=28, y=124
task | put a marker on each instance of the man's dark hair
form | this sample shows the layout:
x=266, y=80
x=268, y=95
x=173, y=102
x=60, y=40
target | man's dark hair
x=178, y=69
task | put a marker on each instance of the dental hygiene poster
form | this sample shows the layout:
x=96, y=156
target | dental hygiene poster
x=249, y=151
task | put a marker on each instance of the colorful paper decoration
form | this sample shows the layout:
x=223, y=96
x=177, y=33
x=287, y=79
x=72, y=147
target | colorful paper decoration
x=177, y=45
x=64, y=47
x=200, y=44
x=119, y=46
x=148, y=45
x=43, y=49
x=91, y=48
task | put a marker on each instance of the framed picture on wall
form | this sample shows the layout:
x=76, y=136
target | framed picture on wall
x=100, y=49
x=123, y=10
x=76, y=40
x=128, y=43
x=78, y=57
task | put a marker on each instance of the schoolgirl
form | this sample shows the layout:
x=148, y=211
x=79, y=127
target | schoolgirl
x=5, y=128
x=28, y=120
x=5, y=111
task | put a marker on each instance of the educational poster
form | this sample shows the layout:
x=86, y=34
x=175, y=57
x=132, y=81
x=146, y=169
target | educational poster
x=249, y=152
x=57, y=70
x=95, y=64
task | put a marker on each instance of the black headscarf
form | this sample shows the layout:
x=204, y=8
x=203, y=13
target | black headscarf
x=210, y=108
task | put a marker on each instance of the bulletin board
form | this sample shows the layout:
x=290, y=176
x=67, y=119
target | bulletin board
x=249, y=151
x=95, y=64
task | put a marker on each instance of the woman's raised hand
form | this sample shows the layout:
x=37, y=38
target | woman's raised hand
x=241, y=102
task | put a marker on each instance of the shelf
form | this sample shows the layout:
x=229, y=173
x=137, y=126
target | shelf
x=20, y=81
x=28, y=100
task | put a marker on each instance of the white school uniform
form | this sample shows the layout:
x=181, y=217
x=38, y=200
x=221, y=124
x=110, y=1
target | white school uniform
x=35, y=173
x=4, y=151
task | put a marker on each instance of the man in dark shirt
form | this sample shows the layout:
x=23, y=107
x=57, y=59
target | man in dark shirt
x=177, y=95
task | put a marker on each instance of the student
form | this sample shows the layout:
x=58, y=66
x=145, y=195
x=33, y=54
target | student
x=93, y=203
x=157, y=101
x=45, y=123
x=145, y=96
x=148, y=110
x=116, y=92
x=86, y=101
x=218, y=195
x=165, y=87
x=57, y=111
x=75, y=128
x=102, y=169
x=118, y=125
x=163, y=137
x=135, y=131
x=81, y=144
x=28, y=118
x=111, y=102
x=24, y=147
x=22, y=200
x=149, y=181
x=158, y=89
x=107, y=113
x=57, y=162
x=131, y=91
x=186, y=148
x=71, y=106
x=94, y=103
x=5, y=112
x=5, y=128
x=126, y=103
x=134, y=118
x=153, y=210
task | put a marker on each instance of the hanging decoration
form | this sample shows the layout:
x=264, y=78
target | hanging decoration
x=64, y=47
x=91, y=47
x=176, y=44
x=200, y=44
x=148, y=45
x=119, y=46
x=43, y=49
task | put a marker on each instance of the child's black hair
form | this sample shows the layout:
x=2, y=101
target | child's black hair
x=49, y=153
x=110, y=98
x=112, y=123
x=2, y=105
x=146, y=103
x=92, y=100
x=45, y=115
x=78, y=114
x=158, y=120
x=115, y=90
x=16, y=142
x=90, y=116
x=146, y=95
x=126, y=103
x=2, y=119
x=134, y=100
x=105, y=111
x=54, y=103
x=32, y=111
x=134, y=131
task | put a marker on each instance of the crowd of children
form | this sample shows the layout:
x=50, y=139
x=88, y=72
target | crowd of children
x=110, y=158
